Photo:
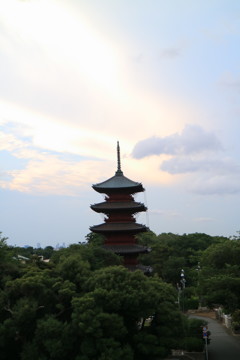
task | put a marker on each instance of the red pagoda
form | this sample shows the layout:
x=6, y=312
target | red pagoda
x=120, y=227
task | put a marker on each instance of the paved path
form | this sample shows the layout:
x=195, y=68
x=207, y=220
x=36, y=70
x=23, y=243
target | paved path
x=223, y=346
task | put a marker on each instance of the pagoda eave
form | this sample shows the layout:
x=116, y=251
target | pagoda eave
x=120, y=190
x=133, y=228
x=127, y=249
x=111, y=207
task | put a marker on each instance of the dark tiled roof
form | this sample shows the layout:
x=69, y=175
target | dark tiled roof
x=119, y=227
x=127, y=249
x=118, y=181
x=118, y=205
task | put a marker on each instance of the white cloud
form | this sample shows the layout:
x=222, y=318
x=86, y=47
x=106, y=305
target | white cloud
x=47, y=174
x=165, y=213
x=231, y=81
x=9, y=142
x=184, y=164
x=194, y=154
x=192, y=140
x=50, y=133
x=228, y=184
x=72, y=72
x=203, y=219
x=170, y=53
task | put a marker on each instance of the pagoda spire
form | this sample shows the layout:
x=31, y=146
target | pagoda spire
x=119, y=171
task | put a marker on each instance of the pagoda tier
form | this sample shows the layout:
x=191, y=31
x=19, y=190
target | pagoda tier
x=119, y=182
x=119, y=207
x=120, y=227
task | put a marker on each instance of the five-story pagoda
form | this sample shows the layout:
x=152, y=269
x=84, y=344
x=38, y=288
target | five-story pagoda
x=120, y=227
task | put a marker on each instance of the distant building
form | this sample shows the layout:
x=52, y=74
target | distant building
x=120, y=228
x=22, y=259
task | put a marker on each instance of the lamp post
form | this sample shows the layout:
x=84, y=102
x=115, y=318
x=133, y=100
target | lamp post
x=205, y=337
x=179, y=295
x=183, y=284
x=198, y=269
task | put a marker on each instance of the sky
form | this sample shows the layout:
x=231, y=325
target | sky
x=161, y=77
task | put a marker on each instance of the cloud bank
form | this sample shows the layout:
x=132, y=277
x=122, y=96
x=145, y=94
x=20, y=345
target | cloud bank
x=192, y=140
x=32, y=169
x=197, y=154
x=170, y=53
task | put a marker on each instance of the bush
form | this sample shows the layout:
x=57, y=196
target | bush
x=191, y=303
x=193, y=344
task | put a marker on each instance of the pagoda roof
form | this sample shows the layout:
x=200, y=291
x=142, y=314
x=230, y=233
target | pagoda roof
x=118, y=181
x=119, y=227
x=127, y=249
x=118, y=206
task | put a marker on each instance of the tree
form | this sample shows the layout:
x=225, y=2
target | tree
x=219, y=278
x=130, y=298
x=9, y=266
x=94, y=255
x=84, y=305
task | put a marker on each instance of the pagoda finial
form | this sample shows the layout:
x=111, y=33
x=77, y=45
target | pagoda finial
x=119, y=171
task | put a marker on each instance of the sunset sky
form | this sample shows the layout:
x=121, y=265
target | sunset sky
x=161, y=77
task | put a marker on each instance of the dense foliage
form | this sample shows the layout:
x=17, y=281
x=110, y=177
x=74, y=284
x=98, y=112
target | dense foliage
x=84, y=305
x=211, y=267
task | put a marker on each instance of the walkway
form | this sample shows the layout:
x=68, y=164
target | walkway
x=223, y=346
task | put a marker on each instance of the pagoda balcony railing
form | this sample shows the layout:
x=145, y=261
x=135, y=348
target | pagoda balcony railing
x=118, y=220
x=119, y=197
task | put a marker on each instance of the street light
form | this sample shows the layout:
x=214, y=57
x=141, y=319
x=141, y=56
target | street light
x=198, y=269
x=183, y=281
x=183, y=284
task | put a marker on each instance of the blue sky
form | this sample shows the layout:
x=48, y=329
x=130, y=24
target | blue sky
x=162, y=77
